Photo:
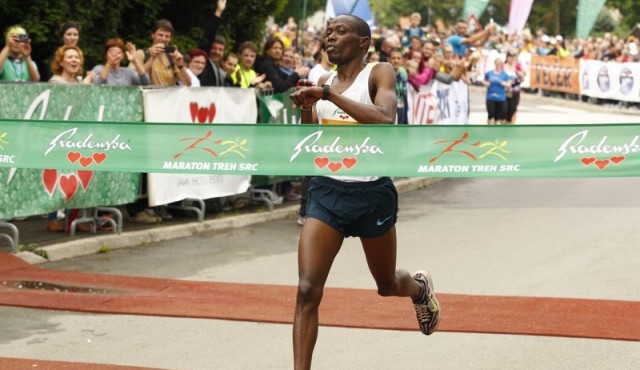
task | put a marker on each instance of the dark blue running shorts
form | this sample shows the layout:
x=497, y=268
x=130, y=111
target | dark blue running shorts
x=361, y=209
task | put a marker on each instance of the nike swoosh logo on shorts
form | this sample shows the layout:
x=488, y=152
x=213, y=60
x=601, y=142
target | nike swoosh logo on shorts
x=381, y=222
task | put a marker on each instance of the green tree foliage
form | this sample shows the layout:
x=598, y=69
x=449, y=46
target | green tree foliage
x=630, y=10
x=387, y=12
x=294, y=9
x=132, y=20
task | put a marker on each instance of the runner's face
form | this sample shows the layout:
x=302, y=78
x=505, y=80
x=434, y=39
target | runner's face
x=341, y=40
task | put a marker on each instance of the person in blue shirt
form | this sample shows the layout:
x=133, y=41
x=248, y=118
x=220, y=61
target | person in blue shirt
x=497, y=82
x=461, y=42
x=414, y=30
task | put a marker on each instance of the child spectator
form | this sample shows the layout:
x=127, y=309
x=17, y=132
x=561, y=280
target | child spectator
x=244, y=75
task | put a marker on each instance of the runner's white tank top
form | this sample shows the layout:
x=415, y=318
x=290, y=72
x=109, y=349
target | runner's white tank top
x=329, y=114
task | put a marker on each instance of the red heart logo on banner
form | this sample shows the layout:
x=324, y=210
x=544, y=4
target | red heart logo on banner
x=587, y=161
x=193, y=107
x=617, y=160
x=602, y=164
x=86, y=161
x=99, y=157
x=73, y=156
x=349, y=162
x=68, y=186
x=49, y=180
x=85, y=178
x=203, y=113
x=335, y=166
x=321, y=162
x=212, y=112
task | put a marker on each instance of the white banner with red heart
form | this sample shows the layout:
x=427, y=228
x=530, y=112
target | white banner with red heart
x=206, y=105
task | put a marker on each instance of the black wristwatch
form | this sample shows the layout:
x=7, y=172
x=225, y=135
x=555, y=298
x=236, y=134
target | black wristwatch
x=325, y=92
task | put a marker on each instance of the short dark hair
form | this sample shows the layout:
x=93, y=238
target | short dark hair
x=66, y=26
x=163, y=24
x=248, y=45
x=219, y=40
x=359, y=25
x=231, y=55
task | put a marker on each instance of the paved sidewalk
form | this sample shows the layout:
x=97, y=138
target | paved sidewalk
x=58, y=246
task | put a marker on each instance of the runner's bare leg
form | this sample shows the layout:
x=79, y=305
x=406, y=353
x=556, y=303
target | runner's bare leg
x=319, y=244
x=381, y=258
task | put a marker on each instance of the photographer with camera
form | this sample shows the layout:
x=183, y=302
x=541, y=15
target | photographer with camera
x=15, y=58
x=162, y=61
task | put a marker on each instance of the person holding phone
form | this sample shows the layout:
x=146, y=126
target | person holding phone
x=15, y=57
x=162, y=61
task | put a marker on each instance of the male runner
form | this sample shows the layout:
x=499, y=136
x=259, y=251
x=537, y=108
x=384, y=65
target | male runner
x=340, y=206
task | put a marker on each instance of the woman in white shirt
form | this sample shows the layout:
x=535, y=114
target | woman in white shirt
x=197, y=62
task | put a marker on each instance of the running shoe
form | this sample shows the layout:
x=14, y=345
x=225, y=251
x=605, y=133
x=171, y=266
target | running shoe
x=427, y=307
x=302, y=220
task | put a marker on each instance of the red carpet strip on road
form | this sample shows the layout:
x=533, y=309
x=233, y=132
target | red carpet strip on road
x=354, y=308
x=25, y=364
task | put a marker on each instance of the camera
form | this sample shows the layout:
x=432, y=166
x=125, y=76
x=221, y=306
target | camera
x=169, y=49
x=23, y=37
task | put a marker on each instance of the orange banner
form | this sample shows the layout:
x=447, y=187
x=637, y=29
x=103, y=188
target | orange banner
x=553, y=73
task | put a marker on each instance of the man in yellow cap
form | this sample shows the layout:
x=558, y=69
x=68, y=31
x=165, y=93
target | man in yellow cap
x=15, y=58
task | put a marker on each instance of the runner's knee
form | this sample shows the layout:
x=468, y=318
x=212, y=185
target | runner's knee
x=309, y=293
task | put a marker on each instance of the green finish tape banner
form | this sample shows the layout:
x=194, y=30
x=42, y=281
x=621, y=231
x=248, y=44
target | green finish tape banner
x=27, y=189
x=359, y=150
